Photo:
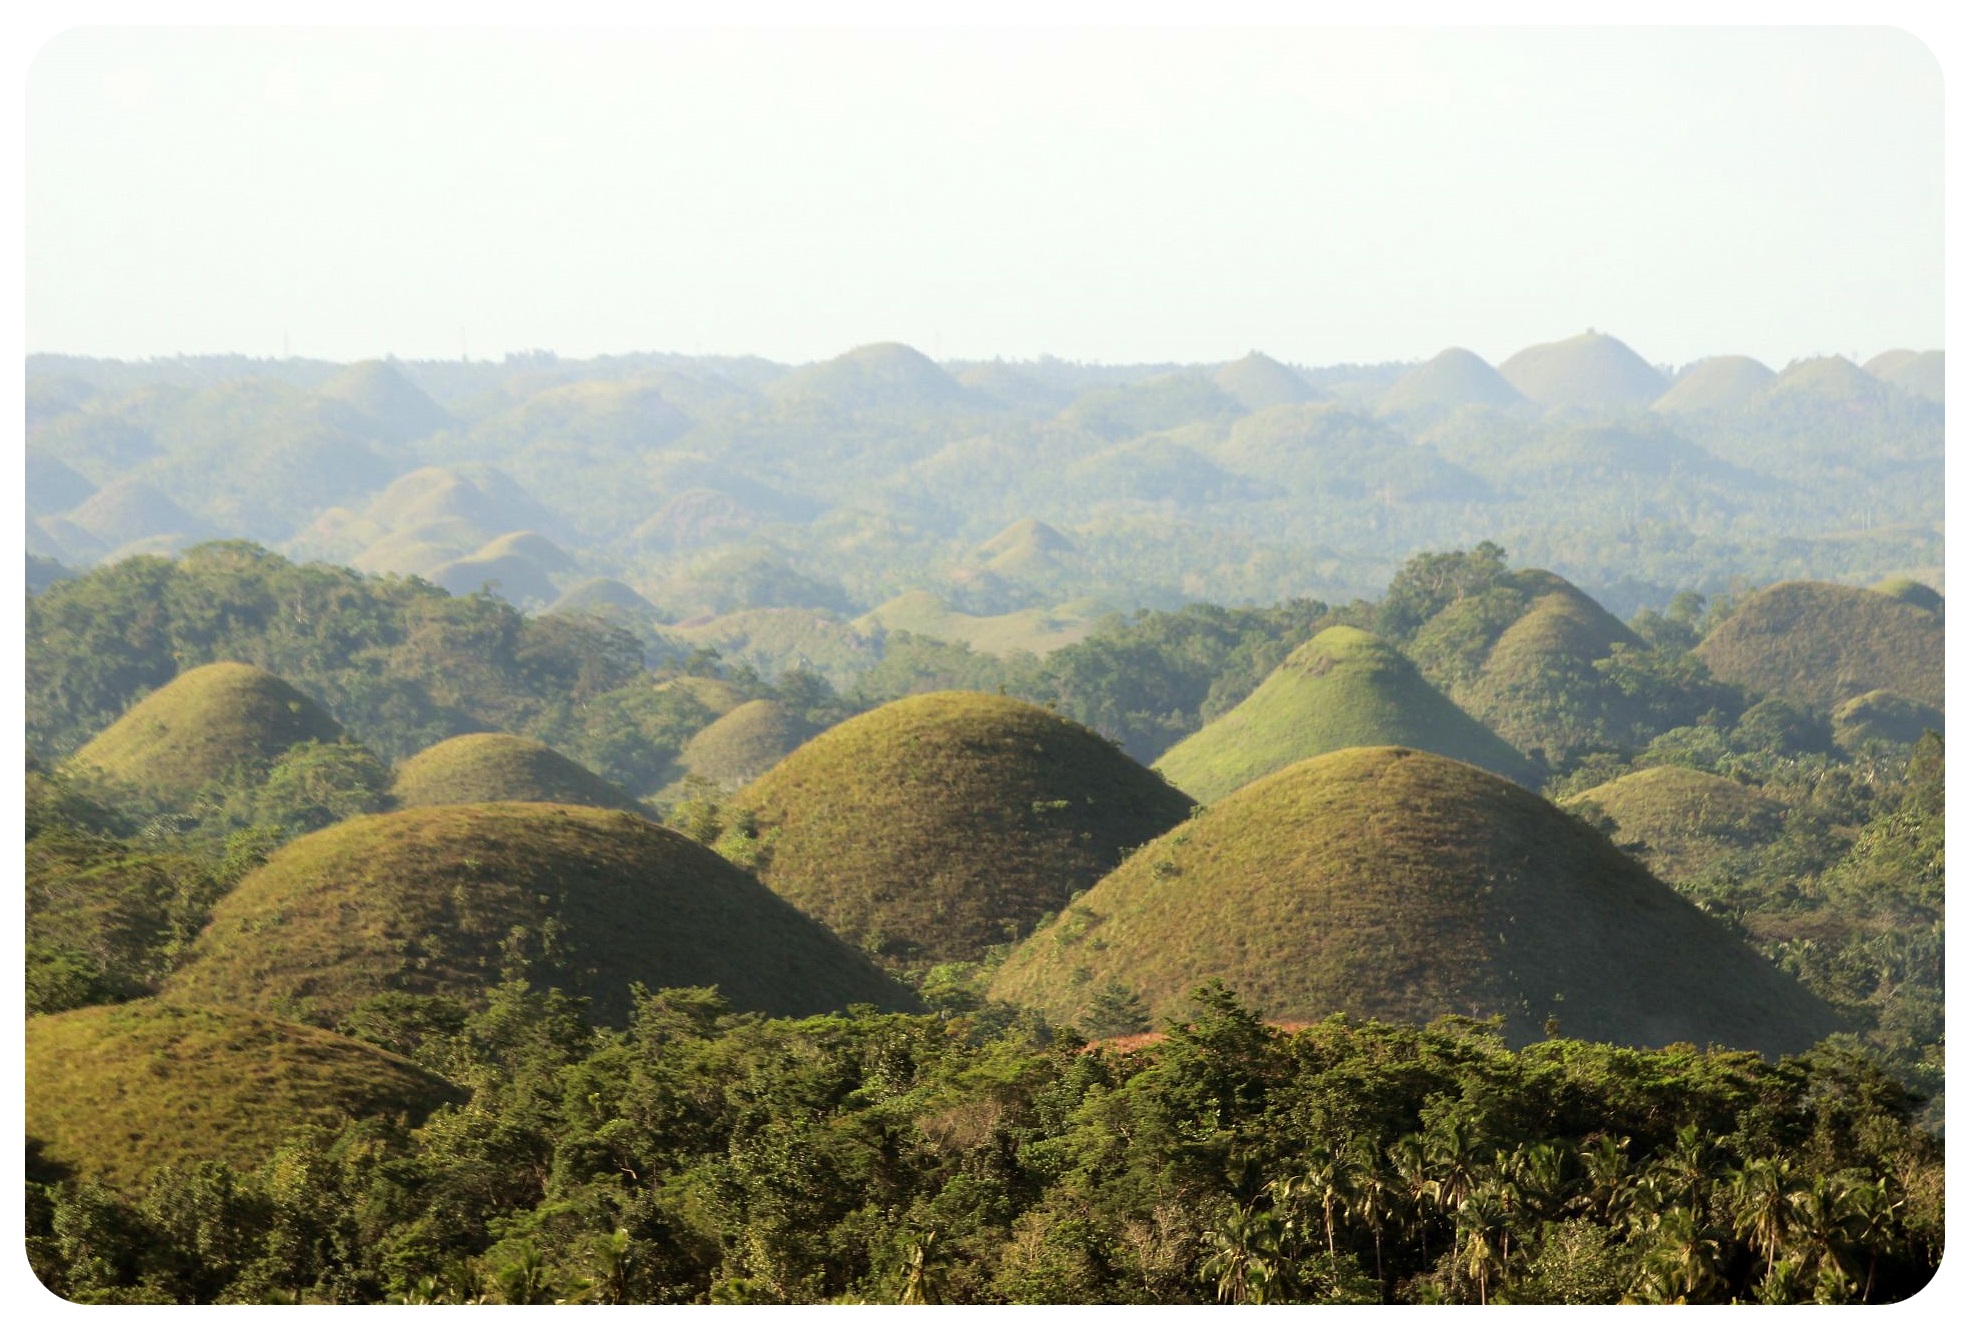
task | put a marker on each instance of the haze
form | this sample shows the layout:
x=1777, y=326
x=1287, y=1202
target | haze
x=1100, y=195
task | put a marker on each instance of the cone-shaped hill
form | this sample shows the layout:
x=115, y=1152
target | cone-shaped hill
x=1399, y=885
x=744, y=743
x=939, y=825
x=202, y=726
x=440, y=900
x=501, y=768
x=1916, y=372
x=1679, y=822
x=1258, y=381
x=1823, y=643
x=1592, y=370
x=1919, y=594
x=1449, y=380
x=1882, y=717
x=882, y=375
x=1721, y=383
x=390, y=403
x=1343, y=689
x=118, y=1093
x=127, y=511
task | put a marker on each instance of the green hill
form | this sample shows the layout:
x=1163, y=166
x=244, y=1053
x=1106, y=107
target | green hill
x=444, y=900
x=397, y=409
x=1592, y=370
x=495, y=768
x=127, y=511
x=1028, y=549
x=744, y=743
x=939, y=825
x=1720, y=383
x=1258, y=381
x=201, y=727
x=1399, y=885
x=925, y=614
x=1679, y=822
x=1160, y=403
x=1823, y=643
x=1919, y=594
x=1918, y=373
x=880, y=376
x=1451, y=379
x=1882, y=717
x=1343, y=689
x=118, y=1093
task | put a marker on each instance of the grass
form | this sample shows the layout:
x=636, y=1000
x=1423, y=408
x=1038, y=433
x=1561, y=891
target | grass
x=1823, y=643
x=1919, y=594
x=1537, y=688
x=1720, y=383
x=494, y=768
x=1590, y=370
x=1258, y=381
x=1452, y=378
x=1679, y=822
x=925, y=614
x=1343, y=689
x=941, y=825
x=118, y=1093
x=1399, y=885
x=1882, y=717
x=744, y=743
x=203, y=725
x=446, y=900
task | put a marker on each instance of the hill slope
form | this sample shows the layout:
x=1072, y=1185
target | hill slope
x=939, y=825
x=441, y=900
x=1343, y=689
x=1823, y=643
x=745, y=742
x=118, y=1093
x=1400, y=885
x=495, y=768
x=201, y=726
x=1592, y=370
x=1450, y=379
x=1683, y=821
x=1721, y=383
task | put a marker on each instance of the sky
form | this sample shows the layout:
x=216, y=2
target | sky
x=1116, y=195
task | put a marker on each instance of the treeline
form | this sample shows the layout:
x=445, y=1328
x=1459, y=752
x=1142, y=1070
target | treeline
x=977, y=1156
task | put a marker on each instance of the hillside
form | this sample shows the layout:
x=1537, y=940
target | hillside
x=925, y=614
x=1679, y=822
x=1343, y=689
x=1592, y=371
x=1451, y=379
x=495, y=768
x=1882, y=717
x=744, y=743
x=1918, y=373
x=940, y=825
x=446, y=900
x=120, y=1093
x=203, y=725
x=1823, y=643
x=1720, y=383
x=1258, y=381
x=1399, y=885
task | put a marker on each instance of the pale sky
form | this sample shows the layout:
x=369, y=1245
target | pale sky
x=1112, y=195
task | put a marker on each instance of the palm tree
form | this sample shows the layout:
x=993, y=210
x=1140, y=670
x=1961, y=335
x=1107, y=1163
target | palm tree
x=1244, y=1257
x=918, y=1282
x=1686, y=1166
x=1760, y=1212
x=1681, y=1262
x=1412, y=1170
x=1481, y=1237
x=1373, y=1197
x=1818, y=1218
x=1453, y=1155
x=1605, y=1163
x=610, y=1259
x=1871, y=1207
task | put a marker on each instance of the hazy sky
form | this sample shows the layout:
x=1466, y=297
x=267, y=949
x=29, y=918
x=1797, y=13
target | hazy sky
x=1323, y=195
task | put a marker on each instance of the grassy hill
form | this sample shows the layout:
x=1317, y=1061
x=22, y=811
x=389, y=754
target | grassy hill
x=495, y=768
x=1679, y=822
x=1399, y=885
x=1258, y=381
x=1823, y=643
x=1882, y=717
x=1720, y=383
x=1919, y=594
x=925, y=614
x=1450, y=379
x=446, y=900
x=1593, y=371
x=1343, y=689
x=880, y=376
x=744, y=743
x=940, y=825
x=1918, y=373
x=202, y=726
x=118, y=1093
x=397, y=409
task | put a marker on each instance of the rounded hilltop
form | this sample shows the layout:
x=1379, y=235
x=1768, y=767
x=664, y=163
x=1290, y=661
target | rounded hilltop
x=448, y=900
x=745, y=742
x=119, y=1093
x=1343, y=688
x=938, y=826
x=1403, y=886
x=1823, y=643
x=501, y=768
x=1680, y=822
x=203, y=726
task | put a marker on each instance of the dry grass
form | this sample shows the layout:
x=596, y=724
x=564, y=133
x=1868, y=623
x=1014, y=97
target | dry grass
x=496, y=768
x=1823, y=643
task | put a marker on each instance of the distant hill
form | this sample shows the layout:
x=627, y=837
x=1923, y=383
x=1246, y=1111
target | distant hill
x=1451, y=379
x=883, y=376
x=744, y=743
x=1883, y=717
x=925, y=614
x=483, y=497
x=429, y=900
x=127, y=511
x=597, y=594
x=1720, y=384
x=937, y=826
x=1593, y=371
x=1008, y=387
x=518, y=564
x=618, y=414
x=1258, y=381
x=1159, y=403
x=1918, y=373
x=1680, y=822
x=1343, y=689
x=1028, y=548
x=118, y=1094
x=494, y=768
x=1334, y=451
x=1823, y=643
x=1398, y=885
x=394, y=407
x=1826, y=380
x=201, y=727
x=53, y=486
x=1907, y=589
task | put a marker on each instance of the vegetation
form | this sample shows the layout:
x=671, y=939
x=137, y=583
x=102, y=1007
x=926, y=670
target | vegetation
x=876, y=828
x=1680, y=822
x=440, y=902
x=1400, y=885
x=1343, y=689
x=495, y=768
x=744, y=743
x=1823, y=644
